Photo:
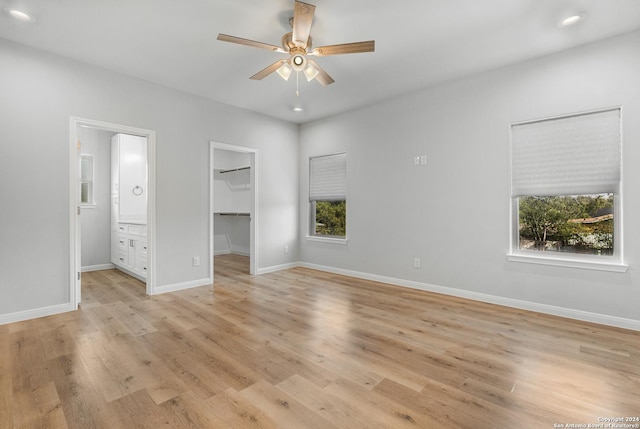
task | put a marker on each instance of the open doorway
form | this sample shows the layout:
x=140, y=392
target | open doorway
x=233, y=205
x=96, y=212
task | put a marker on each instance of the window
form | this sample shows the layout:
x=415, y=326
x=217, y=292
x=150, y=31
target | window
x=581, y=224
x=328, y=196
x=565, y=190
x=86, y=180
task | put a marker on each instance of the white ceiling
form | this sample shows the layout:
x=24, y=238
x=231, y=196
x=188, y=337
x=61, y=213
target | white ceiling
x=419, y=43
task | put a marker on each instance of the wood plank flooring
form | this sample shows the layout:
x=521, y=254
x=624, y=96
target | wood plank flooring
x=305, y=349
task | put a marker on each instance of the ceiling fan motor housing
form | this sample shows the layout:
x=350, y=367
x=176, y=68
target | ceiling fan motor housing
x=288, y=44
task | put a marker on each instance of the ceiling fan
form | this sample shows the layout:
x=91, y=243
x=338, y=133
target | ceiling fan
x=298, y=45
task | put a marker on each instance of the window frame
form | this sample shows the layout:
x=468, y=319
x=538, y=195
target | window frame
x=613, y=263
x=312, y=235
x=572, y=260
x=312, y=222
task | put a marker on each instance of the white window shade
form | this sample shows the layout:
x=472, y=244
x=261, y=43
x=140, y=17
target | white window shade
x=578, y=154
x=328, y=178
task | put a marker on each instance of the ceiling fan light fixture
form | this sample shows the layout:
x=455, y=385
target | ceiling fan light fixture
x=298, y=61
x=310, y=72
x=285, y=71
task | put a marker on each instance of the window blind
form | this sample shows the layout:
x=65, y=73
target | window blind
x=571, y=155
x=328, y=178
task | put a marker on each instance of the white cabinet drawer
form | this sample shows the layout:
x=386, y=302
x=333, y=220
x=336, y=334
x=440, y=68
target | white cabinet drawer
x=123, y=242
x=128, y=228
x=134, y=229
x=123, y=258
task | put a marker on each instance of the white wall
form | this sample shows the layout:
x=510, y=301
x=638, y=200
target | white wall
x=232, y=235
x=40, y=92
x=453, y=214
x=95, y=222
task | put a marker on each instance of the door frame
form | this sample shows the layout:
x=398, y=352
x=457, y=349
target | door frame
x=253, y=205
x=75, y=239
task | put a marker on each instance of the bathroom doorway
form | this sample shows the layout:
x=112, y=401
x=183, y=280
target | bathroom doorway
x=83, y=192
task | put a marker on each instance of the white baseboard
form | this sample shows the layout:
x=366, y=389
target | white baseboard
x=275, y=268
x=569, y=313
x=240, y=252
x=100, y=267
x=230, y=252
x=181, y=286
x=35, y=313
x=131, y=273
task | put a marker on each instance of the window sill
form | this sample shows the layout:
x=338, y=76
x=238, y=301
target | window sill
x=584, y=263
x=327, y=239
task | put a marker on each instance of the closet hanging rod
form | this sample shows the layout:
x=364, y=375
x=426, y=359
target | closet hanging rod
x=234, y=169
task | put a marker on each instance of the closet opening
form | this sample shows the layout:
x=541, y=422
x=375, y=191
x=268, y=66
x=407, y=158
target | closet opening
x=233, y=208
x=112, y=189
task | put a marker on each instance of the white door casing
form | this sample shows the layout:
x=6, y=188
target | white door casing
x=254, y=216
x=74, y=200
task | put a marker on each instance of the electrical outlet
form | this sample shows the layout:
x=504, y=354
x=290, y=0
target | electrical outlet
x=416, y=263
x=286, y=249
x=196, y=261
x=423, y=160
x=416, y=160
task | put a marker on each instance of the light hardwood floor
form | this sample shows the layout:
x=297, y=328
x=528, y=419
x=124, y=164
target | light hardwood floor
x=305, y=349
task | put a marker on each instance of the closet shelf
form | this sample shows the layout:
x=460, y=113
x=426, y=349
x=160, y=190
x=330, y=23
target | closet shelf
x=232, y=214
x=231, y=170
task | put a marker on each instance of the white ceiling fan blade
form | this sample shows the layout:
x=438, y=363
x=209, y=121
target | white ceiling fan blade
x=252, y=43
x=268, y=70
x=345, y=48
x=302, y=20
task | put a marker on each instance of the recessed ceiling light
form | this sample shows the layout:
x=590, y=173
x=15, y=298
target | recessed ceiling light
x=20, y=15
x=571, y=20
x=297, y=109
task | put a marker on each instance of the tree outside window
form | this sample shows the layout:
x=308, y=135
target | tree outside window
x=331, y=218
x=567, y=223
